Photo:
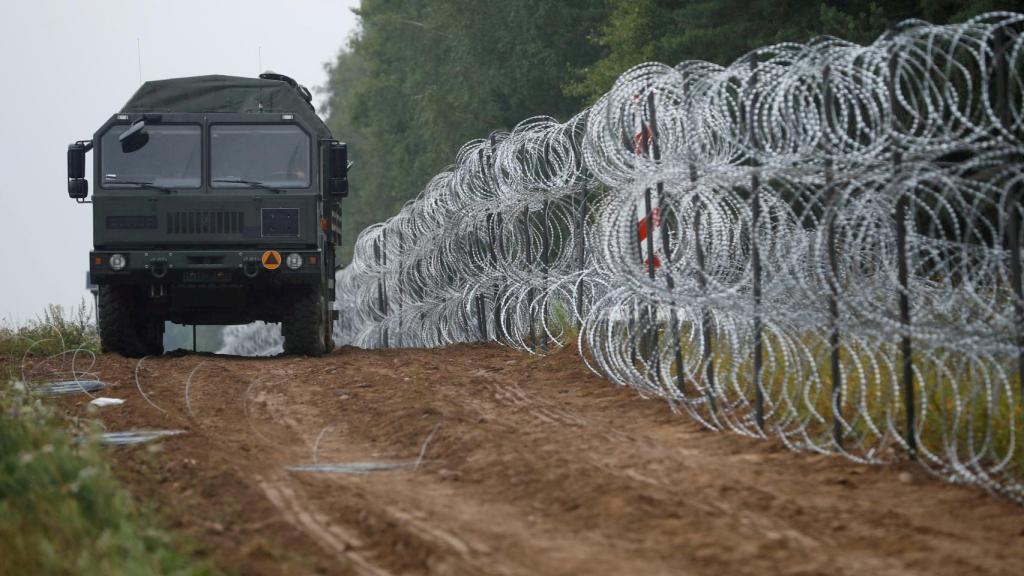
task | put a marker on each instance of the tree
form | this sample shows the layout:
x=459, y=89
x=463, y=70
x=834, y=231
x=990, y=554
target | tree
x=423, y=77
x=721, y=31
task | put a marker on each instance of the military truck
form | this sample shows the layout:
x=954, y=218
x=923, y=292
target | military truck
x=217, y=201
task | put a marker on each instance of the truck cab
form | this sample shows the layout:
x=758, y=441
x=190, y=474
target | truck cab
x=217, y=200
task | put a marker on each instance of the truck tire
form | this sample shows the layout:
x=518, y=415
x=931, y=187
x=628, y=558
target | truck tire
x=124, y=328
x=303, y=326
x=116, y=321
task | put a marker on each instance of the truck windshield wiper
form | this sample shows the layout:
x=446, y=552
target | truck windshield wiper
x=253, y=183
x=142, y=184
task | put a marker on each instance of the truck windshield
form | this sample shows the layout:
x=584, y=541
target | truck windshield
x=262, y=156
x=172, y=158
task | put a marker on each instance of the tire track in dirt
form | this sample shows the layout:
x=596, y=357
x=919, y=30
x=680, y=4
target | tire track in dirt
x=533, y=466
x=336, y=540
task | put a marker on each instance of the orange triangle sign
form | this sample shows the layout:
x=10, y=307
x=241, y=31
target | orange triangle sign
x=271, y=259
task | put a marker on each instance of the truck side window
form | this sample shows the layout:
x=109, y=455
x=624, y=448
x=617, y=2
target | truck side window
x=171, y=158
x=275, y=155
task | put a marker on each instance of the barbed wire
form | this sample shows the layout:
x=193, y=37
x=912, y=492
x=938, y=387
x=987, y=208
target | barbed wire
x=819, y=242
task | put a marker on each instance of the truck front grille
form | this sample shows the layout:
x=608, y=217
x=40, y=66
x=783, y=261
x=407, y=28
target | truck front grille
x=205, y=222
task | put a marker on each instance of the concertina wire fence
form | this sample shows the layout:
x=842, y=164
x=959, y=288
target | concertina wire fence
x=819, y=243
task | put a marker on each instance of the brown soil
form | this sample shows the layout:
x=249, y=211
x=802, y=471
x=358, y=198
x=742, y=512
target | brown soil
x=533, y=466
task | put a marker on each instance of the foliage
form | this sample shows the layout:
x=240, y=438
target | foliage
x=422, y=77
x=721, y=31
x=61, y=511
x=57, y=330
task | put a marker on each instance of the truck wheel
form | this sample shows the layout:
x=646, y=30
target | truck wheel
x=117, y=309
x=303, y=327
x=123, y=327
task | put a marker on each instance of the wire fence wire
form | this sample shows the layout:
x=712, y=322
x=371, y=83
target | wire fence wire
x=819, y=243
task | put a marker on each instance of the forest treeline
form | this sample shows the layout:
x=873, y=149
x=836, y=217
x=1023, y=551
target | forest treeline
x=422, y=77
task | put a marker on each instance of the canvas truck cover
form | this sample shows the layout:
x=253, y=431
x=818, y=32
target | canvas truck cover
x=218, y=93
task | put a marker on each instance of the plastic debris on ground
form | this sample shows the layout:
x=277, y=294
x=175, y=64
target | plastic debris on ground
x=136, y=436
x=70, y=387
x=102, y=402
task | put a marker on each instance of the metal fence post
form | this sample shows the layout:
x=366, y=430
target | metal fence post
x=634, y=319
x=833, y=300
x=380, y=287
x=648, y=316
x=384, y=284
x=835, y=337
x=582, y=255
x=907, y=379
x=649, y=240
x=650, y=352
x=903, y=269
x=650, y=340
x=481, y=298
x=493, y=222
x=398, y=281
x=755, y=257
x=481, y=316
x=545, y=255
x=528, y=239
x=755, y=184
x=666, y=250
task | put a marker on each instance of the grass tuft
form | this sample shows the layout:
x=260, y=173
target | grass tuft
x=61, y=510
x=56, y=331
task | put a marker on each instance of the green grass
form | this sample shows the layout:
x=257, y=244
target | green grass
x=562, y=323
x=61, y=509
x=56, y=330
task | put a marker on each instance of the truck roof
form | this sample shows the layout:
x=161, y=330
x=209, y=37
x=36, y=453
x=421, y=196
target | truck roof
x=217, y=93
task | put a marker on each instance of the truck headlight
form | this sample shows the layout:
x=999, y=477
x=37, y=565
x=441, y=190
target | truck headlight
x=294, y=261
x=118, y=262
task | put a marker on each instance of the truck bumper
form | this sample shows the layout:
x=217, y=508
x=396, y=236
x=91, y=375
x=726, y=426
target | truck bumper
x=205, y=267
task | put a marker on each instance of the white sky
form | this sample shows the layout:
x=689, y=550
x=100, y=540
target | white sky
x=67, y=65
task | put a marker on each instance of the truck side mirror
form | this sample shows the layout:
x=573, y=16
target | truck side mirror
x=76, y=160
x=78, y=186
x=338, y=160
x=337, y=169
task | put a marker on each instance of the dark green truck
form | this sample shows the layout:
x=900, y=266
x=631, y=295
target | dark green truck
x=217, y=201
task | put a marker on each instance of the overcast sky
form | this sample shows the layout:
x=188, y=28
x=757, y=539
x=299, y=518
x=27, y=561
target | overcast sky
x=67, y=65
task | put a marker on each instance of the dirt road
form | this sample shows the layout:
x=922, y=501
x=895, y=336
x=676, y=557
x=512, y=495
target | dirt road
x=525, y=466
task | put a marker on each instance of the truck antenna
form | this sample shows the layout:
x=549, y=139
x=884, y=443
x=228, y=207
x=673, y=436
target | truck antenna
x=259, y=64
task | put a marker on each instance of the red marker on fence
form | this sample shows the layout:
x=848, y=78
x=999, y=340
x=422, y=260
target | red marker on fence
x=642, y=140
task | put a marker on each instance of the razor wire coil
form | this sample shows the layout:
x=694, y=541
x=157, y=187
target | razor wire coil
x=819, y=243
